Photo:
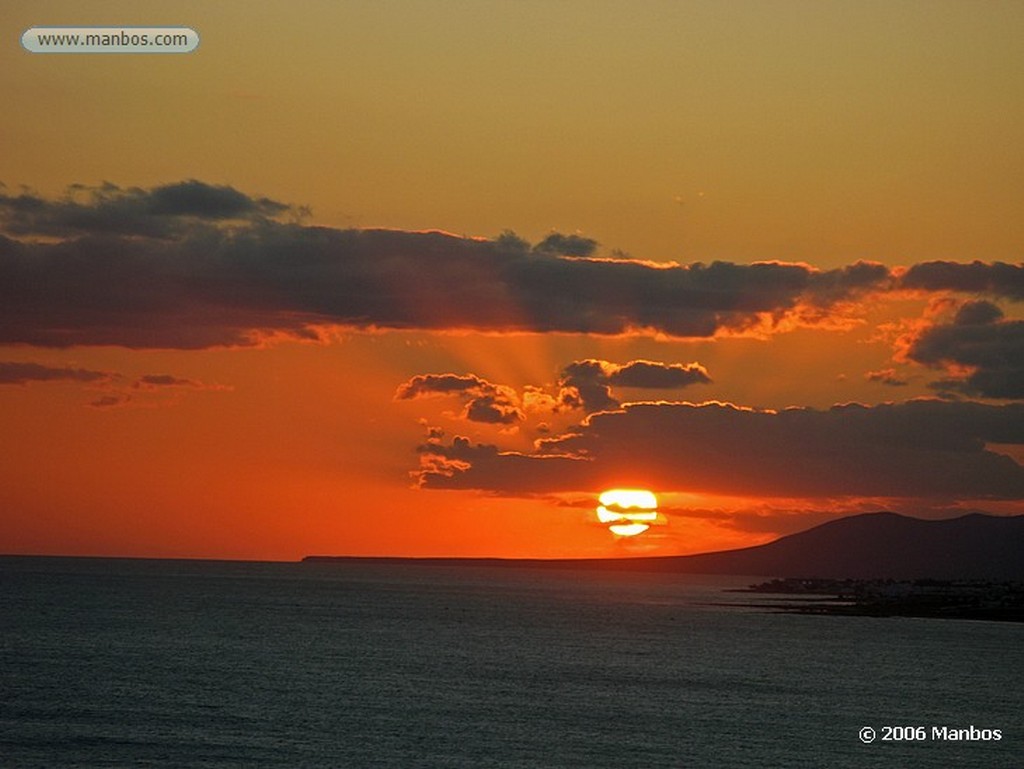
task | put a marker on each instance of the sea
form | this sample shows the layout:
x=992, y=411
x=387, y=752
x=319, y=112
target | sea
x=147, y=663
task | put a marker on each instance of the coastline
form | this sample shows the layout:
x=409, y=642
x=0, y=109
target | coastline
x=990, y=600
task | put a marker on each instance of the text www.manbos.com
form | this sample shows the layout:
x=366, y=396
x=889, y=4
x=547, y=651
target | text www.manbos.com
x=110, y=40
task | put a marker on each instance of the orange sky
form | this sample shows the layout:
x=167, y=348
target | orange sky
x=139, y=418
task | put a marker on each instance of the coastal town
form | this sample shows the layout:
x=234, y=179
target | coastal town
x=946, y=599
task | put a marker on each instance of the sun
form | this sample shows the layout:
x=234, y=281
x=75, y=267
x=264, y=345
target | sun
x=627, y=512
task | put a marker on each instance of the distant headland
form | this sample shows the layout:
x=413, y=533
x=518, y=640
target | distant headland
x=869, y=546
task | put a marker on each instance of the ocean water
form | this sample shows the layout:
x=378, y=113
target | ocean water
x=121, y=663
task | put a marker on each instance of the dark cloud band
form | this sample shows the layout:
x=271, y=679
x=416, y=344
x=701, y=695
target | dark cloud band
x=161, y=212
x=919, y=449
x=193, y=265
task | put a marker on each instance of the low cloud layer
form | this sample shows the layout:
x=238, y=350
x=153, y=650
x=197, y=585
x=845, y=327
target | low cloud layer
x=886, y=376
x=484, y=401
x=981, y=341
x=997, y=279
x=587, y=384
x=193, y=265
x=583, y=384
x=117, y=389
x=12, y=372
x=160, y=212
x=920, y=449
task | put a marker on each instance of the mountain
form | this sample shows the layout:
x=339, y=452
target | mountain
x=867, y=546
x=871, y=546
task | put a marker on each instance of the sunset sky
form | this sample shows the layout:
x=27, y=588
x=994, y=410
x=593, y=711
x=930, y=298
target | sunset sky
x=425, y=278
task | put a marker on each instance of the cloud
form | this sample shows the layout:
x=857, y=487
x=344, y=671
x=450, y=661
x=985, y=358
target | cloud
x=462, y=464
x=977, y=314
x=567, y=245
x=110, y=401
x=997, y=279
x=981, y=341
x=424, y=385
x=160, y=212
x=193, y=265
x=119, y=388
x=656, y=375
x=165, y=380
x=584, y=385
x=12, y=372
x=157, y=381
x=485, y=401
x=587, y=383
x=762, y=521
x=493, y=409
x=154, y=390
x=886, y=376
x=920, y=449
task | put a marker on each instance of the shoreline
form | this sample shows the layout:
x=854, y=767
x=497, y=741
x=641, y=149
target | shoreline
x=989, y=600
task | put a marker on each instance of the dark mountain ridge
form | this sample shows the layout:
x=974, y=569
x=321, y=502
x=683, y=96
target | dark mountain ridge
x=867, y=546
x=880, y=546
